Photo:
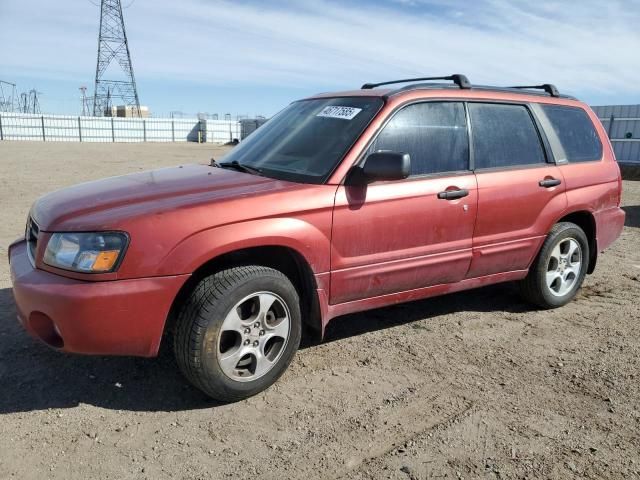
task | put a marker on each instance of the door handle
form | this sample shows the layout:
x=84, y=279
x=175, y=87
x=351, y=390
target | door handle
x=453, y=194
x=549, y=182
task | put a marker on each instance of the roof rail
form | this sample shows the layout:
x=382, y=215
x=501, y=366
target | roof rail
x=547, y=87
x=461, y=80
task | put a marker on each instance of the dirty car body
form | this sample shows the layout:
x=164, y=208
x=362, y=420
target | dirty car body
x=360, y=199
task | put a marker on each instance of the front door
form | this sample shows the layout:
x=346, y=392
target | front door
x=391, y=237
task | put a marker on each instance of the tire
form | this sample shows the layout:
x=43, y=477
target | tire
x=248, y=314
x=552, y=283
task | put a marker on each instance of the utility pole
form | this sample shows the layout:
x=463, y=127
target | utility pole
x=113, y=47
x=23, y=107
x=35, y=104
x=85, y=101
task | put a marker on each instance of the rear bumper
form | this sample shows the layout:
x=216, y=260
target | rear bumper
x=121, y=317
x=609, y=225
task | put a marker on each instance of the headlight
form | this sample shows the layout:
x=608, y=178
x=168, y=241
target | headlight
x=86, y=252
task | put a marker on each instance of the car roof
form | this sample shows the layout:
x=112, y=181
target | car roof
x=461, y=87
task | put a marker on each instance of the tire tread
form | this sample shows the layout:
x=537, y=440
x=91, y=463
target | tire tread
x=192, y=325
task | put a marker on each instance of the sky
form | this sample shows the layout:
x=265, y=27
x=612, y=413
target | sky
x=253, y=57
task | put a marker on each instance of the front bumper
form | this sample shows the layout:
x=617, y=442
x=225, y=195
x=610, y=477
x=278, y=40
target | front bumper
x=120, y=317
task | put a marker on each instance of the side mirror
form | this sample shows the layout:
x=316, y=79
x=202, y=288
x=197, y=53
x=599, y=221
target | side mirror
x=386, y=166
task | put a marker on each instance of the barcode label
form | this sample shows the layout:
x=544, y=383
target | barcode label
x=335, y=111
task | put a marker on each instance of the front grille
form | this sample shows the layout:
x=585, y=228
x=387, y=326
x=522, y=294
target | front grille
x=31, y=236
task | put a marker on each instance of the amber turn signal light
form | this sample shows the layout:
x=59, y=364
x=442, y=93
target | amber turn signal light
x=105, y=261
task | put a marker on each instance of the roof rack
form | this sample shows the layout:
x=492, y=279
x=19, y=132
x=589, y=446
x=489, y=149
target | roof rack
x=461, y=80
x=547, y=87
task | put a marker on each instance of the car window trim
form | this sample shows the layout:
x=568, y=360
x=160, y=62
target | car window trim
x=542, y=138
x=557, y=150
x=472, y=155
x=452, y=173
x=526, y=166
x=426, y=176
x=393, y=113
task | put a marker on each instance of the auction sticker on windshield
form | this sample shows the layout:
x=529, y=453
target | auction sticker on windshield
x=335, y=111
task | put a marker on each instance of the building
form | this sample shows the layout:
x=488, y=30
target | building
x=131, y=111
x=126, y=111
x=622, y=123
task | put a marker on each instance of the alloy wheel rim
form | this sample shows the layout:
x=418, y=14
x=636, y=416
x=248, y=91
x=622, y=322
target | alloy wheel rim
x=563, y=268
x=253, y=336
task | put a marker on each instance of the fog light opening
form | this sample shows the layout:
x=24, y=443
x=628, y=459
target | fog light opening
x=45, y=329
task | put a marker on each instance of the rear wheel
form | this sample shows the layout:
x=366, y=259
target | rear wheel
x=559, y=269
x=238, y=331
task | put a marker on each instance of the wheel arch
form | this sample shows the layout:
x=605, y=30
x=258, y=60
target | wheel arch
x=279, y=257
x=587, y=222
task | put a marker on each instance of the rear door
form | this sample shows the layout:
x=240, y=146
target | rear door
x=396, y=236
x=520, y=188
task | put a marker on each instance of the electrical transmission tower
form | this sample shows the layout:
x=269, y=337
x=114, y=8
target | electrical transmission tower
x=85, y=101
x=29, y=102
x=113, y=48
x=8, y=96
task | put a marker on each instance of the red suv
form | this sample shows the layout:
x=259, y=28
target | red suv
x=340, y=203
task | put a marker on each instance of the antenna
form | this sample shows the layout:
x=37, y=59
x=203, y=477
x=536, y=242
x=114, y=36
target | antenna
x=113, y=47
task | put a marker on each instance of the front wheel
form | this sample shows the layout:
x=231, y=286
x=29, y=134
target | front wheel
x=559, y=269
x=238, y=331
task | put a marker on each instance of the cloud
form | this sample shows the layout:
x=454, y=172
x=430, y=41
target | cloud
x=590, y=46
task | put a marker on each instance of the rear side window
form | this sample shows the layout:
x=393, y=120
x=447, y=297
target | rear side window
x=434, y=134
x=504, y=136
x=575, y=131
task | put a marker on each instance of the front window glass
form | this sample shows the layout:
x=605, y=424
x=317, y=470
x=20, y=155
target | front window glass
x=307, y=140
x=434, y=134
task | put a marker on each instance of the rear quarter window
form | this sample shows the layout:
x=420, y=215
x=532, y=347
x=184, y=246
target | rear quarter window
x=576, y=133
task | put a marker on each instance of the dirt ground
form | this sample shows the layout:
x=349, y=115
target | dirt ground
x=470, y=385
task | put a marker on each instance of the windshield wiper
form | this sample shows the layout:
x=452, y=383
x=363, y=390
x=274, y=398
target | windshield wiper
x=241, y=167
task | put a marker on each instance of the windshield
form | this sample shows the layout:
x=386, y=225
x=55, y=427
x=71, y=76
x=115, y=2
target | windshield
x=306, y=140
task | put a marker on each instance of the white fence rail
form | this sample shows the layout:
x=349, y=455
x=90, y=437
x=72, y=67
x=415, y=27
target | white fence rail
x=62, y=128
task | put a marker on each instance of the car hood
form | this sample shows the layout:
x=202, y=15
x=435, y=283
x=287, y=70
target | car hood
x=104, y=204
